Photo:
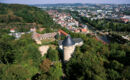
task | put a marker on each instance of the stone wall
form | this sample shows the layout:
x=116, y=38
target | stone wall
x=79, y=44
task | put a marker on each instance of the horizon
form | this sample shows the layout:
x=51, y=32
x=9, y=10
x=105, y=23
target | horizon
x=66, y=2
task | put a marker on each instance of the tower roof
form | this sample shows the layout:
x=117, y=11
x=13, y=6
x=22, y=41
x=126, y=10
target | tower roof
x=68, y=41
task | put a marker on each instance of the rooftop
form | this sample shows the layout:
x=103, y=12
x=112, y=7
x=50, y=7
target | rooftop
x=75, y=40
x=68, y=41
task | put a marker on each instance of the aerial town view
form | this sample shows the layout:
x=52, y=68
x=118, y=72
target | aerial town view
x=64, y=39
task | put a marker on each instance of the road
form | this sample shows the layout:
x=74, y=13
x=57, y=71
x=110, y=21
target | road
x=103, y=38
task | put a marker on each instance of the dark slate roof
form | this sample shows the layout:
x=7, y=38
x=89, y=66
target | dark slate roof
x=76, y=40
x=60, y=42
x=68, y=41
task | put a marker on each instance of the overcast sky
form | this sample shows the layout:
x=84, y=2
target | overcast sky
x=64, y=1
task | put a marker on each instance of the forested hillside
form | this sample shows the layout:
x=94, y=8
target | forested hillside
x=12, y=13
x=20, y=59
x=96, y=61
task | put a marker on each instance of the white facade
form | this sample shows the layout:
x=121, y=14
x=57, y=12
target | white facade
x=68, y=51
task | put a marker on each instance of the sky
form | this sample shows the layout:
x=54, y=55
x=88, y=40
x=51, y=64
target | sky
x=64, y=1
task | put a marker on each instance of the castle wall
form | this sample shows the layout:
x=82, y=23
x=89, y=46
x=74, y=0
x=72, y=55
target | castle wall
x=79, y=44
x=68, y=51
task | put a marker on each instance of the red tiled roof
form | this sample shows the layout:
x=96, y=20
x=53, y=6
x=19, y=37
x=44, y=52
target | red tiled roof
x=37, y=35
x=62, y=32
x=83, y=30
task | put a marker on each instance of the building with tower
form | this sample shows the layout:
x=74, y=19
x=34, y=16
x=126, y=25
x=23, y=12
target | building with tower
x=68, y=46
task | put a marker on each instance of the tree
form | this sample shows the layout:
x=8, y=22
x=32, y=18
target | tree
x=55, y=72
x=52, y=54
x=126, y=73
x=113, y=75
x=7, y=53
x=85, y=66
x=2, y=67
x=116, y=65
x=84, y=48
x=15, y=72
x=50, y=71
x=117, y=54
x=33, y=53
x=45, y=66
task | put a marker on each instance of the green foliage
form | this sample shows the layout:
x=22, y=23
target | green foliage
x=116, y=65
x=52, y=54
x=113, y=75
x=2, y=67
x=7, y=37
x=45, y=66
x=27, y=50
x=3, y=10
x=84, y=48
x=7, y=53
x=126, y=73
x=116, y=52
x=50, y=70
x=55, y=72
x=46, y=30
x=85, y=67
x=95, y=61
x=14, y=72
x=20, y=59
x=23, y=13
x=23, y=53
x=32, y=69
x=33, y=53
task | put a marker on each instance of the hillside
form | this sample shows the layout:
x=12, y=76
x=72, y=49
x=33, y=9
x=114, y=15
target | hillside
x=12, y=13
x=21, y=59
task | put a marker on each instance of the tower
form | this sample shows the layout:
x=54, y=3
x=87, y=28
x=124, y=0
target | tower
x=68, y=47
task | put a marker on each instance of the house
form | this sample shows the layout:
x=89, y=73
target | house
x=62, y=32
x=41, y=29
x=77, y=30
x=83, y=30
x=32, y=29
x=12, y=30
x=126, y=18
x=16, y=35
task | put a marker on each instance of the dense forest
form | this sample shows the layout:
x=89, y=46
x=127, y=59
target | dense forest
x=96, y=61
x=20, y=59
x=19, y=14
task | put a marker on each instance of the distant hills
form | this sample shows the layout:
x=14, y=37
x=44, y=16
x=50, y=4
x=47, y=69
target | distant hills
x=70, y=4
x=60, y=4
